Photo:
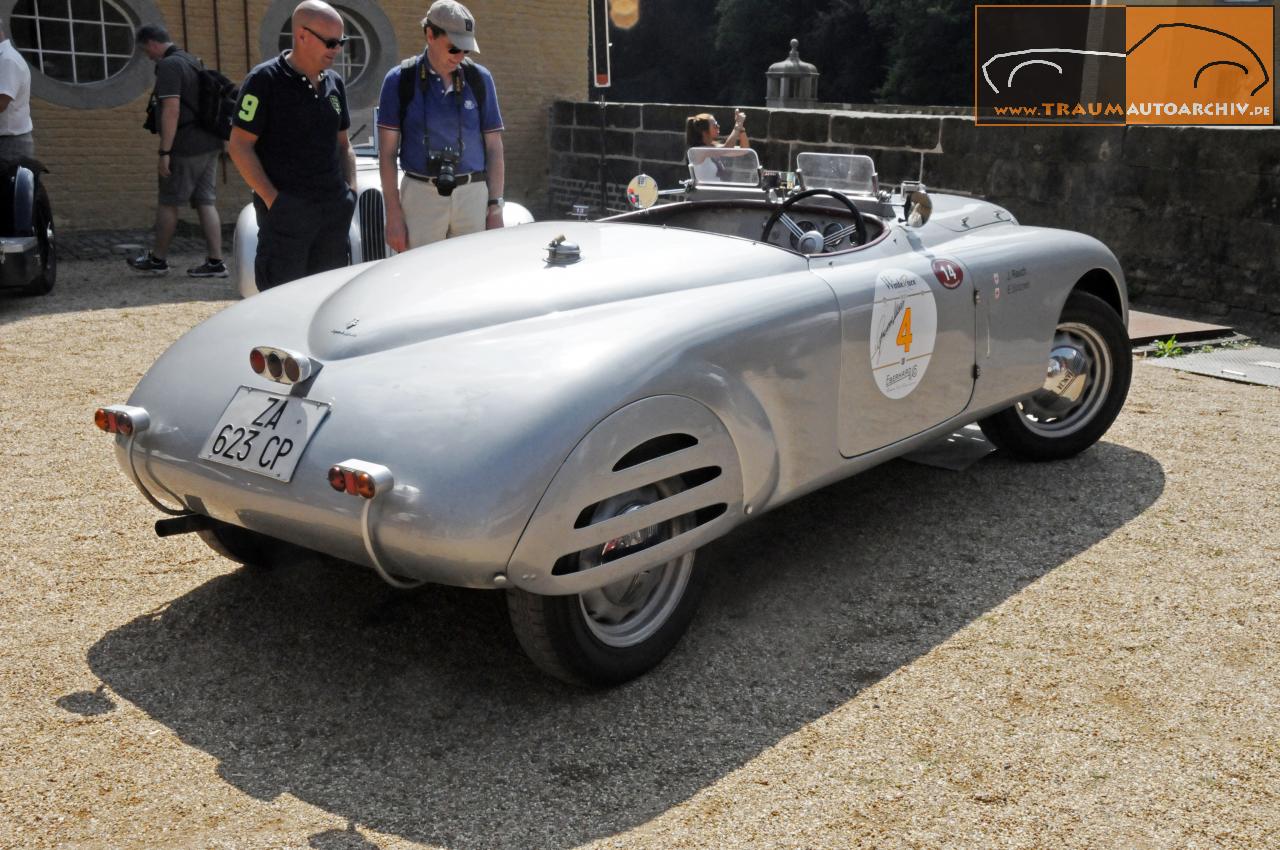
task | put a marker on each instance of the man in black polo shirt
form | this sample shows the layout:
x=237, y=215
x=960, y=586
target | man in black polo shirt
x=289, y=141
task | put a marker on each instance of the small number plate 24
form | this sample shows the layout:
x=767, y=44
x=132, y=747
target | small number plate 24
x=263, y=432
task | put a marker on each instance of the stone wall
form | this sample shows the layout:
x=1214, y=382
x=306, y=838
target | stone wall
x=1193, y=213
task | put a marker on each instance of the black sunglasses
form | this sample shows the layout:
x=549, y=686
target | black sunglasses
x=439, y=33
x=329, y=43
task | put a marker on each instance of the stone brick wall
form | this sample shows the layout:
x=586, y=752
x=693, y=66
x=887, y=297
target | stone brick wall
x=1193, y=213
x=103, y=163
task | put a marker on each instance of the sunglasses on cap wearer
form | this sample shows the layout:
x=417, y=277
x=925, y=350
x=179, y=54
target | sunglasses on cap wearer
x=439, y=33
x=329, y=43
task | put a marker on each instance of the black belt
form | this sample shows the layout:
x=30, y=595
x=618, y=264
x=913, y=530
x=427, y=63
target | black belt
x=459, y=179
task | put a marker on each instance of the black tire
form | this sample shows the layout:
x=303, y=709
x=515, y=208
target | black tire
x=1090, y=345
x=48, y=249
x=590, y=639
x=256, y=551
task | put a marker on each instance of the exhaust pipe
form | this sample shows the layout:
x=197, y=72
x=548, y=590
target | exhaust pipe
x=184, y=524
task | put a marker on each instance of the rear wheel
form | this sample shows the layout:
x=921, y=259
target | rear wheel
x=1087, y=380
x=47, y=254
x=615, y=633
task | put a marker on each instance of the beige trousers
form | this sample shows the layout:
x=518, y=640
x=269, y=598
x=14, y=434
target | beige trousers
x=430, y=216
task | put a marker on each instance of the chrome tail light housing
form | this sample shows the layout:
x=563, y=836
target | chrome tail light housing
x=281, y=364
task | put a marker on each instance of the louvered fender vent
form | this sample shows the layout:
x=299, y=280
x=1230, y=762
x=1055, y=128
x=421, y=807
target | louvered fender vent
x=655, y=480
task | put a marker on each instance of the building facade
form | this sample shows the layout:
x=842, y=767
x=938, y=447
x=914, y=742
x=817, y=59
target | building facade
x=90, y=88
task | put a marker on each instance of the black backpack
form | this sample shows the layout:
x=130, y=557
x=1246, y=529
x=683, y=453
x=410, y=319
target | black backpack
x=217, y=102
x=409, y=74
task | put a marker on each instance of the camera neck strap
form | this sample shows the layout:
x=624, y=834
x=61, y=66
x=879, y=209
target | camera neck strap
x=425, y=86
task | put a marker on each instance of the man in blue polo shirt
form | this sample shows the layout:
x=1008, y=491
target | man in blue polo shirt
x=451, y=123
x=289, y=140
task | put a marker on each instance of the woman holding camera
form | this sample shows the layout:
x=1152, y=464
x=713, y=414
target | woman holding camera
x=702, y=130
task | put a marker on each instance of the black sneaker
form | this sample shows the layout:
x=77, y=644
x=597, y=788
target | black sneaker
x=210, y=268
x=148, y=262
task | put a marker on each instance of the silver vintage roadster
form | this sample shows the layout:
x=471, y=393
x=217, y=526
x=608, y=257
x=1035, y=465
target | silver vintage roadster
x=567, y=411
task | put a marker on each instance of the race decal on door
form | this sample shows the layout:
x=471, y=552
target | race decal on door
x=904, y=324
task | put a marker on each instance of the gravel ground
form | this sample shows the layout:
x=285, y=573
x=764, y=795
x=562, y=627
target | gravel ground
x=1073, y=655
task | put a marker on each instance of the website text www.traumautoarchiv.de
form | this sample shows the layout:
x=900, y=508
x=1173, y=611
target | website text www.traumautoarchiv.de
x=1139, y=110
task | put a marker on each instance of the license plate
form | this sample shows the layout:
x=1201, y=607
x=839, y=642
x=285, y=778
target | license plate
x=263, y=432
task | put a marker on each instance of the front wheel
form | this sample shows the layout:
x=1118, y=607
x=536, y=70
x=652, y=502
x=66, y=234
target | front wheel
x=47, y=250
x=1086, y=383
x=606, y=636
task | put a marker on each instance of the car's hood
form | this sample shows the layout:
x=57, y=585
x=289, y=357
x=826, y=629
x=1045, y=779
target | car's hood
x=503, y=276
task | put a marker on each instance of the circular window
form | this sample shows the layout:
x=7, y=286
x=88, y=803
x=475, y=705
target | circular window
x=354, y=56
x=73, y=41
x=81, y=52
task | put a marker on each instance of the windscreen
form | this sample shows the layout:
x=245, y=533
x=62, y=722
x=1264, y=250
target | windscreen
x=724, y=166
x=839, y=171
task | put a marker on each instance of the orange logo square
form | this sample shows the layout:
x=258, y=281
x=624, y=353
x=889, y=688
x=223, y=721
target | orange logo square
x=1199, y=65
x=1117, y=65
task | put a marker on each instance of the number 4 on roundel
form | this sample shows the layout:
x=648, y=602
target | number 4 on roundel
x=904, y=332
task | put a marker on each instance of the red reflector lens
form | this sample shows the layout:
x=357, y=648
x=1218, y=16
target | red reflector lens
x=337, y=479
x=257, y=361
x=112, y=426
x=364, y=485
x=291, y=369
x=100, y=418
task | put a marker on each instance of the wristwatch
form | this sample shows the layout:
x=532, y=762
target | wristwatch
x=497, y=202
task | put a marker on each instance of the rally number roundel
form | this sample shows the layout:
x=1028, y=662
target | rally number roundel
x=948, y=273
x=904, y=326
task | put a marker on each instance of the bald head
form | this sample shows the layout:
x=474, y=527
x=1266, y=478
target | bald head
x=308, y=13
x=317, y=37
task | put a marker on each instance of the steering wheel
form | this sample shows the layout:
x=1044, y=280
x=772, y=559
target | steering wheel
x=813, y=238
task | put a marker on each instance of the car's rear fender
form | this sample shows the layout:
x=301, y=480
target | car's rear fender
x=655, y=439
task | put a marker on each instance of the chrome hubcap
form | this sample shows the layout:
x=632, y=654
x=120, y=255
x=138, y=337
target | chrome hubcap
x=630, y=610
x=1077, y=379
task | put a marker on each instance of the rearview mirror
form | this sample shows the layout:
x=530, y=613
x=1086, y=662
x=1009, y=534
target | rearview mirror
x=642, y=192
x=917, y=206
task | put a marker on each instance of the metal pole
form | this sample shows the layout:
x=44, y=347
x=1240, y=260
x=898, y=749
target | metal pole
x=604, y=199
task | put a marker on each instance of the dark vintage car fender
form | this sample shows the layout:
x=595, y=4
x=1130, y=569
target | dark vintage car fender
x=28, y=256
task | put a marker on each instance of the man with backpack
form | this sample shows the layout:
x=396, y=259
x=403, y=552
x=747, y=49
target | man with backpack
x=187, y=156
x=439, y=113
